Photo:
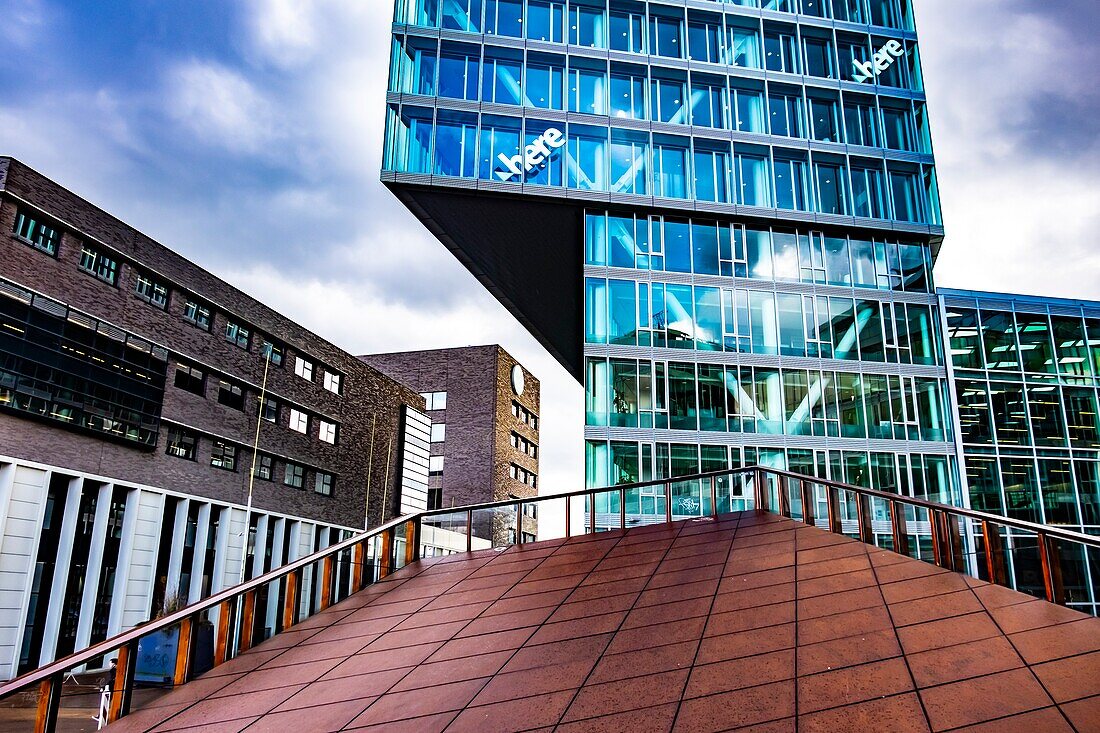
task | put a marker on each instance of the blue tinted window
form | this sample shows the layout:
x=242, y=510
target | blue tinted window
x=458, y=72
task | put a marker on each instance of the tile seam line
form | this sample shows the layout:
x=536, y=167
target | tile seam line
x=614, y=634
x=897, y=637
x=427, y=601
x=703, y=634
x=283, y=651
x=1016, y=649
x=515, y=651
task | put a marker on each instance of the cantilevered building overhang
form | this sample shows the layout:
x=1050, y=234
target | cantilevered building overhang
x=525, y=243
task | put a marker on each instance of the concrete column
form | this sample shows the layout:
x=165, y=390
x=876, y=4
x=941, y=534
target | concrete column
x=175, y=556
x=95, y=566
x=202, y=533
x=62, y=563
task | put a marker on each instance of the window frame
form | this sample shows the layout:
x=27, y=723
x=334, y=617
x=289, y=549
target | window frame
x=93, y=262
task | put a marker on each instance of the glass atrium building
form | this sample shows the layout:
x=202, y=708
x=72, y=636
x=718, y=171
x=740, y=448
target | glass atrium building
x=721, y=217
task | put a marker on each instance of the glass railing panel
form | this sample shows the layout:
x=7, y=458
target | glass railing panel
x=493, y=527
x=602, y=511
x=1024, y=563
x=442, y=534
x=645, y=505
x=687, y=499
x=543, y=520
x=1074, y=572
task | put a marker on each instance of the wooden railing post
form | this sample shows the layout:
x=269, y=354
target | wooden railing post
x=592, y=513
x=568, y=517
x=183, y=653
x=248, y=620
x=901, y=531
x=291, y=597
x=994, y=554
x=412, y=540
x=809, y=503
x=385, y=552
x=469, y=536
x=760, y=491
x=783, y=487
x=668, y=501
x=358, y=566
x=954, y=538
x=622, y=509
x=123, y=685
x=221, y=641
x=863, y=508
x=327, y=567
x=832, y=494
x=714, y=496
x=49, y=702
x=519, y=522
x=1052, y=570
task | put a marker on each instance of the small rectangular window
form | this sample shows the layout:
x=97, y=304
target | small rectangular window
x=151, y=291
x=264, y=467
x=299, y=421
x=294, y=475
x=275, y=352
x=332, y=382
x=181, y=443
x=224, y=456
x=98, y=264
x=303, y=368
x=435, y=466
x=237, y=335
x=323, y=483
x=439, y=432
x=434, y=400
x=198, y=314
x=327, y=431
x=191, y=379
x=32, y=230
x=269, y=410
x=230, y=395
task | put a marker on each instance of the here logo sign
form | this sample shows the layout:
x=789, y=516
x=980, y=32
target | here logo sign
x=883, y=59
x=533, y=156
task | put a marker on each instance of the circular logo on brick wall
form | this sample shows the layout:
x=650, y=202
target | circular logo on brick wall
x=517, y=379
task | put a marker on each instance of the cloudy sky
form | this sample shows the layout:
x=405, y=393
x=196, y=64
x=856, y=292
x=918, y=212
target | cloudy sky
x=246, y=134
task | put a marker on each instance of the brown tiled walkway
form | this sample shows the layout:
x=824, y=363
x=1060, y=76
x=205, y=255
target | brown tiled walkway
x=751, y=623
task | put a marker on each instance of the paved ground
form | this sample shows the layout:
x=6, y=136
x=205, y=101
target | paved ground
x=751, y=622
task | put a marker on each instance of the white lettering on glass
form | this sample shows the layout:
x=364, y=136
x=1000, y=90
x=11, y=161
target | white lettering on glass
x=533, y=156
x=882, y=60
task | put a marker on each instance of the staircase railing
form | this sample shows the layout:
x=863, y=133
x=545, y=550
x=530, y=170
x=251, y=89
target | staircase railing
x=1046, y=561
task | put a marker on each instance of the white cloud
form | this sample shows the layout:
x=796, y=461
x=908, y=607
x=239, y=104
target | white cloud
x=23, y=20
x=284, y=31
x=220, y=107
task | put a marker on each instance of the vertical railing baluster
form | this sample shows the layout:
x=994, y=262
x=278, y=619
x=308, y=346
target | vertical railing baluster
x=1052, y=570
x=358, y=565
x=290, y=602
x=809, y=503
x=901, y=531
x=519, y=522
x=994, y=554
x=760, y=491
x=385, y=552
x=327, y=564
x=622, y=509
x=832, y=494
x=568, y=517
x=714, y=496
x=863, y=507
x=954, y=539
x=783, y=487
x=248, y=620
x=183, y=653
x=668, y=501
x=49, y=703
x=123, y=684
x=592, y=513
x=221, y=641
x=469, y=530
x=412, y=541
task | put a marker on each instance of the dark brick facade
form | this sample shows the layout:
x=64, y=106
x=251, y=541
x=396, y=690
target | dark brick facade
x=367, y=412
x=478, y=453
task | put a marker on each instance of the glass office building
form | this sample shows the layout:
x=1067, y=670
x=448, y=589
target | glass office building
x=741, y=196
x=1025, y=372
x=722, y=219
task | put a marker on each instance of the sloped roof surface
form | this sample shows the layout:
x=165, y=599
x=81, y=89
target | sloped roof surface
x=751, y=622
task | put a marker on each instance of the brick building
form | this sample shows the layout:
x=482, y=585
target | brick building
x=484, y=408
x=133, y=385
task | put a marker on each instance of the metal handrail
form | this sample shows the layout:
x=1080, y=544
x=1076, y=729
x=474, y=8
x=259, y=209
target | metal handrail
x=242, y=598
